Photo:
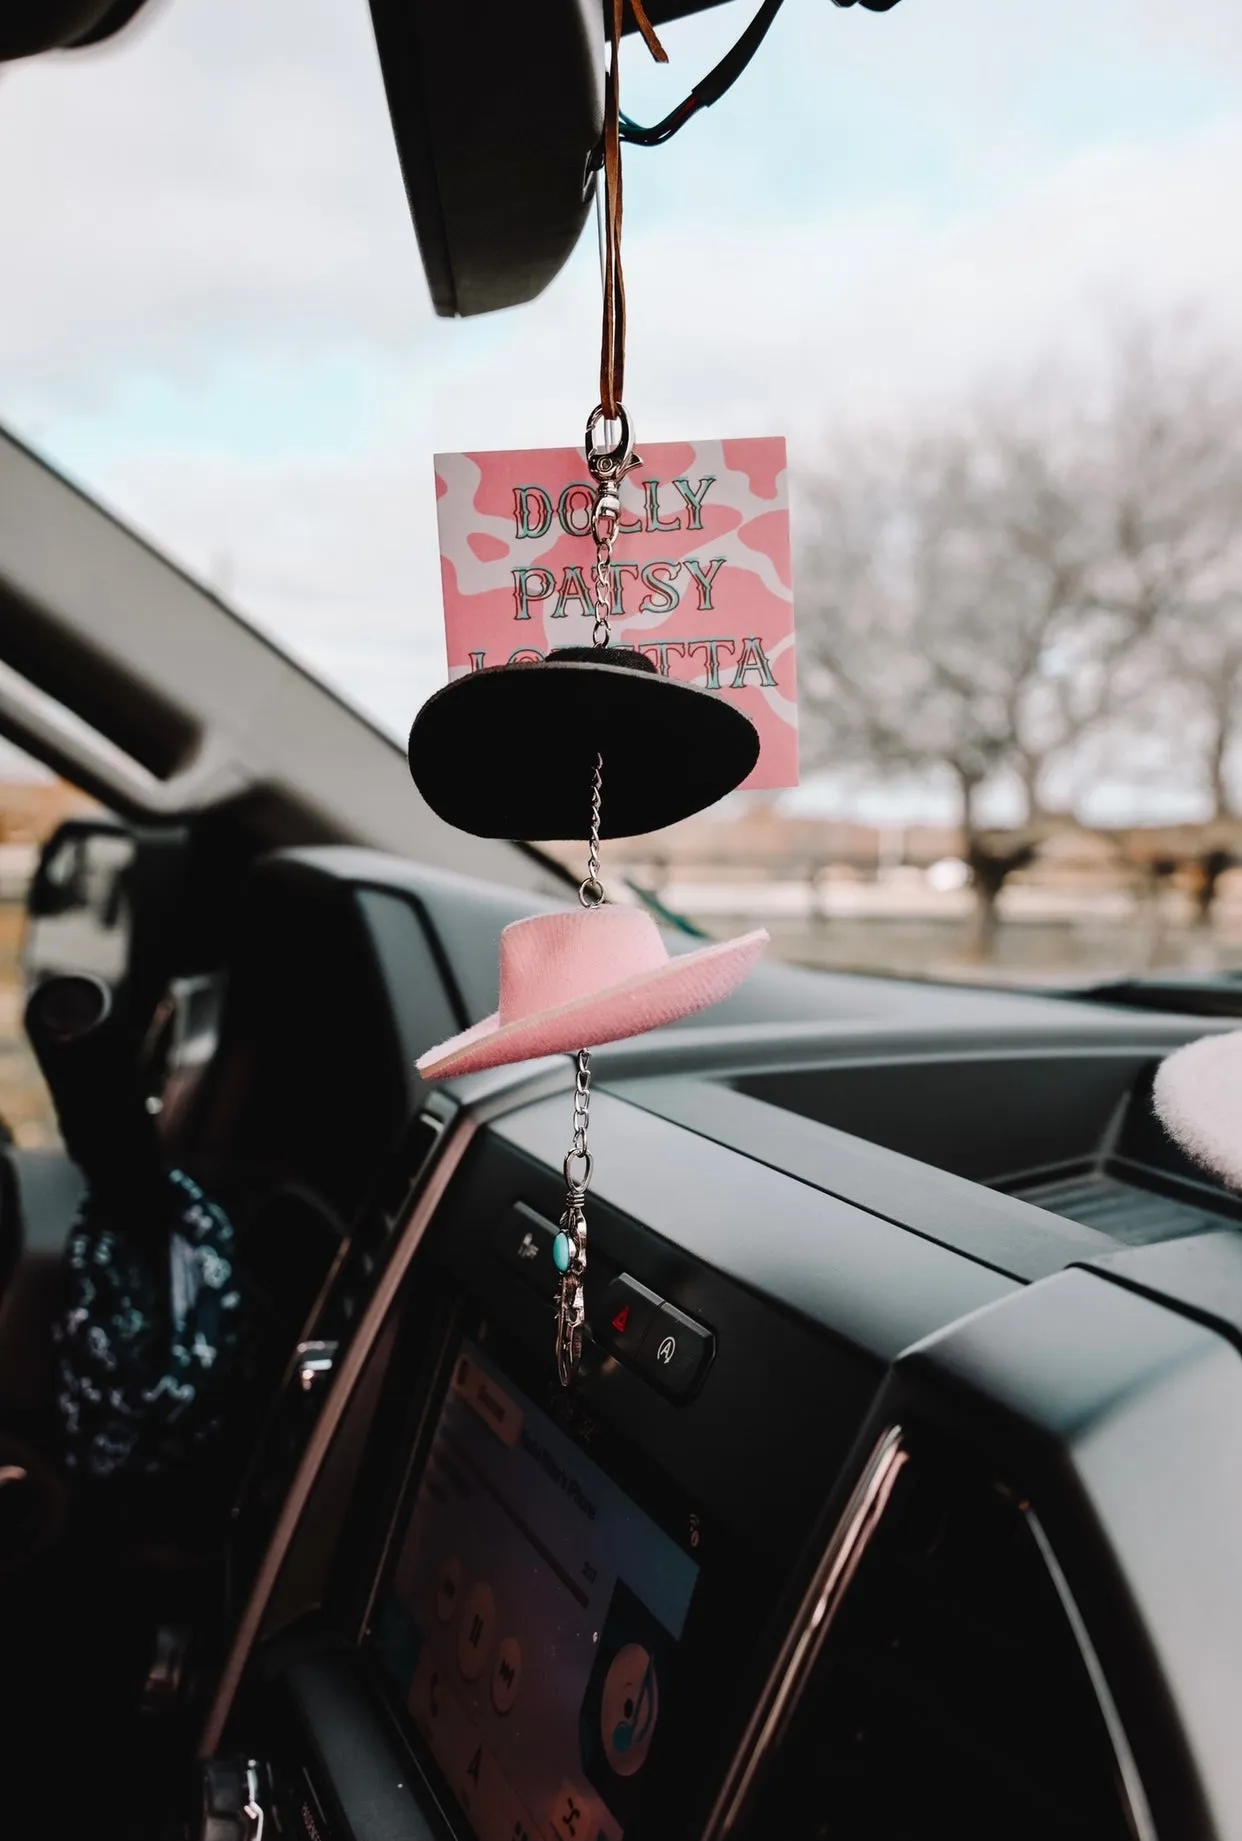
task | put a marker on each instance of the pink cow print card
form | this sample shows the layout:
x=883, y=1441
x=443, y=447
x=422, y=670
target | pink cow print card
x=700, y=572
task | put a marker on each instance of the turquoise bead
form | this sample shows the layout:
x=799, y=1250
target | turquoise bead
x=562, y=1252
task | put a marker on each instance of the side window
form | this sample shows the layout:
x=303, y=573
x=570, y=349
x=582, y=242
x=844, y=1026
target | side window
x=33, y=803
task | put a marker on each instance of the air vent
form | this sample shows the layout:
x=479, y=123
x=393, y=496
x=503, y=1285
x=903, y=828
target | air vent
x=951, y=1696
x=1133, y=1215
x=421, y=1140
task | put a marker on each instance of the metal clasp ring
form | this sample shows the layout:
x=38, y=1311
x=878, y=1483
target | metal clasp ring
x=609, y=463
x=588, y=1164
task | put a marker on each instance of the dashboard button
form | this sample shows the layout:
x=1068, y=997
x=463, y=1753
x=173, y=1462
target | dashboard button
x=629, y=1709
x=523, y=1240
x=579, y=1816
x=675, y=1351
x=476, y=1631
x=448, y=1589
x=624, y=1313
x=506, y=1675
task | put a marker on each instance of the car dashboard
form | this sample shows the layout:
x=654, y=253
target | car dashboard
x=895, y=1494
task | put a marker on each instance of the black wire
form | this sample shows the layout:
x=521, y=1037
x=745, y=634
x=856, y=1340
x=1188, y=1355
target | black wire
x=713, y=86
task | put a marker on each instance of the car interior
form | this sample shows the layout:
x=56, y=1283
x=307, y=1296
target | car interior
x=899, y=1492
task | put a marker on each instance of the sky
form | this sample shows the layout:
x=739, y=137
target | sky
x=213, y=314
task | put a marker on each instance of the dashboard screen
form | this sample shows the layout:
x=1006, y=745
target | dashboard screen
x=531, y=1620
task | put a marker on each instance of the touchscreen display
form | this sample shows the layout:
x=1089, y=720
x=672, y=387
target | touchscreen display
x=531, y=1620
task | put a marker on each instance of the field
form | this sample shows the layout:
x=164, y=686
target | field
x=901, y=928
x=24, y=1105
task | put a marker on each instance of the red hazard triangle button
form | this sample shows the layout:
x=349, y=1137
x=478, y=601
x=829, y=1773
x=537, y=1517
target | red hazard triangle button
x=625, y=1311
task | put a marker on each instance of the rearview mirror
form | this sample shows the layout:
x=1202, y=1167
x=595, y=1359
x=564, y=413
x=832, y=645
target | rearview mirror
x=31, y=26
x=497, y=111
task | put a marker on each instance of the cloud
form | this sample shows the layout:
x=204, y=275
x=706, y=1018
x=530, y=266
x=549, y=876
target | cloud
x=225, y=181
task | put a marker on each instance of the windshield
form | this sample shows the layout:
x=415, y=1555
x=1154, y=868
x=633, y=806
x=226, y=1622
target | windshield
x=977, y=263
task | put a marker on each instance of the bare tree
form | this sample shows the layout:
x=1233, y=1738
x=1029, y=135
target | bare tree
x=1197, y=680
x=983, y=601
x=1180, y=436
x=945, y=600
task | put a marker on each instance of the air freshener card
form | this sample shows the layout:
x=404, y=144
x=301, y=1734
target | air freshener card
x=701, y=570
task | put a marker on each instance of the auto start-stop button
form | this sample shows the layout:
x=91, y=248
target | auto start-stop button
x=675, y=1352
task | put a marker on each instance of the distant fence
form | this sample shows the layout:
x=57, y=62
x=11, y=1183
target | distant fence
x=1072, y=916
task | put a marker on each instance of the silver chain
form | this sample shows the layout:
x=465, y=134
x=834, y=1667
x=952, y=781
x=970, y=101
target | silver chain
x=608, y=470
x=582, y=1102
x=571, y=1303
x=591, y=890
x=604, y=523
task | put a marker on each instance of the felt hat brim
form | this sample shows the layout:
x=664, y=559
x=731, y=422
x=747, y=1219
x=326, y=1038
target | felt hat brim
x=649, y=1000
x=1198, y=1099
x=509, y=751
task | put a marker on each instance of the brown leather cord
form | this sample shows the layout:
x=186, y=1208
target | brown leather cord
x=648, y=31
x=612, y=352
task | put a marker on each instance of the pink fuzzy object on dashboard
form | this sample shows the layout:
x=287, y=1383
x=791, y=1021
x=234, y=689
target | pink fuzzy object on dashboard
x=1198, y=1098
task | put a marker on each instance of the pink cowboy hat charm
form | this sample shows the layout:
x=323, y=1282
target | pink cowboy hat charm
x=575, y=979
